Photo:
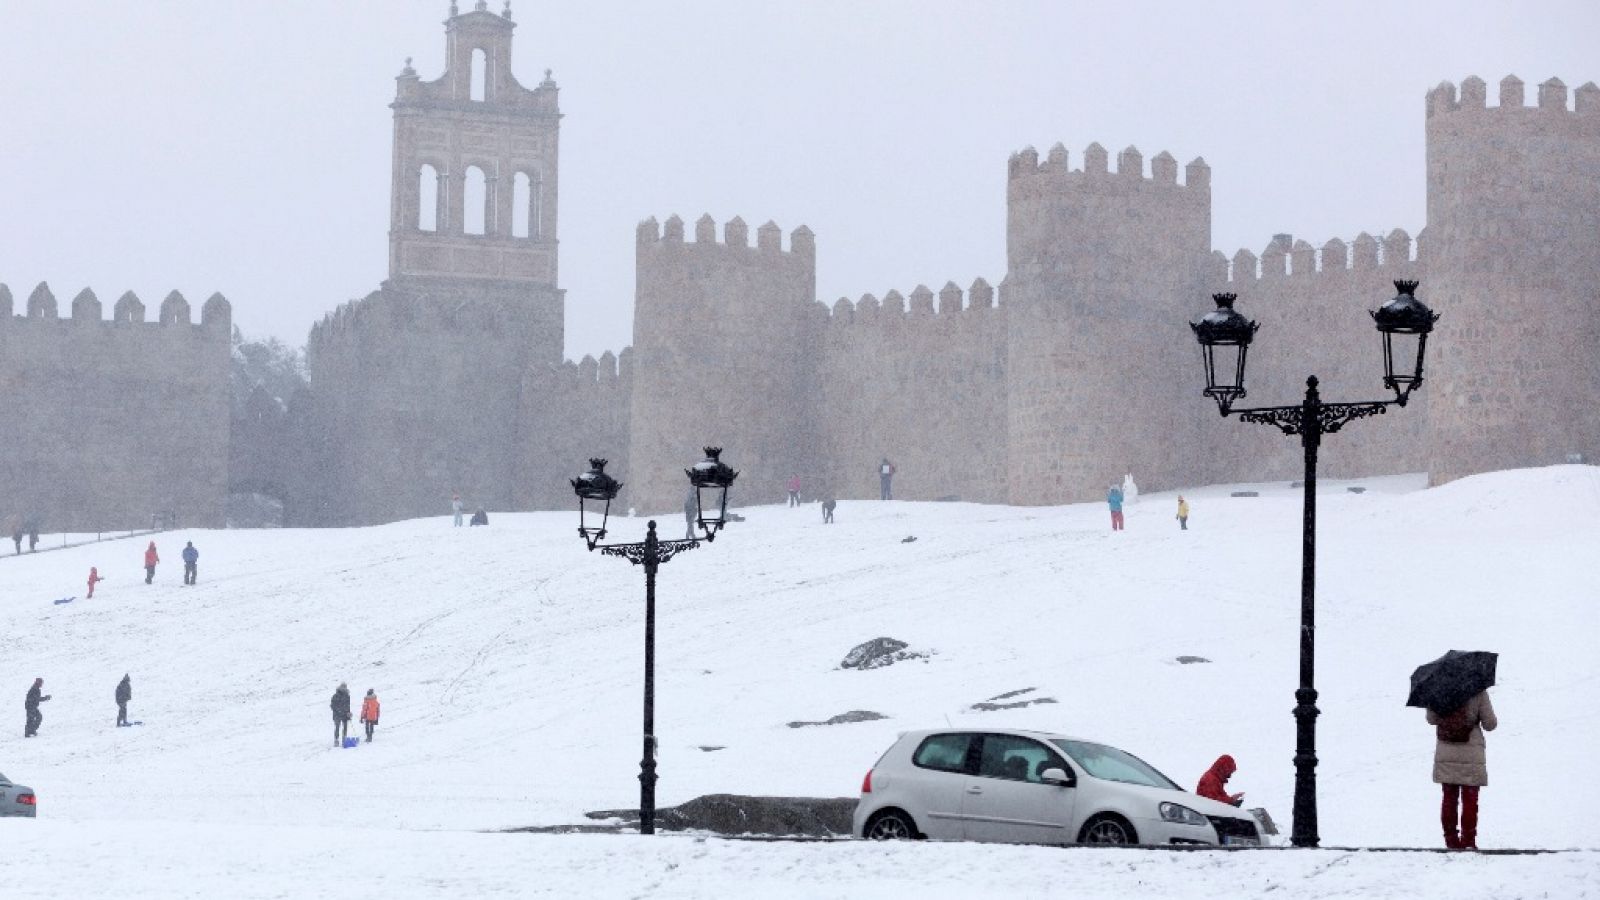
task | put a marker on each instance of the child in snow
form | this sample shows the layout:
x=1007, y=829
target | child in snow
x=455, y=507
x=1183, y=513
x=369, y=713
x=794, y=489
x=150, y=560
x=1211, y=783
x=1114, y=500
x=94, y=579
x=30, y=705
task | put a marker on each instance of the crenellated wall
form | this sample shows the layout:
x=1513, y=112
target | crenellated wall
x=922, y=383
x=107, y=422
x=1103, y=271
x=724, y=350
x=1513, y=219
x=1312, y=304
x=571, y=412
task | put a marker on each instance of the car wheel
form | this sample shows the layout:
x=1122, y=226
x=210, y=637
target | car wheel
x=890, y=825
x=1107, y=829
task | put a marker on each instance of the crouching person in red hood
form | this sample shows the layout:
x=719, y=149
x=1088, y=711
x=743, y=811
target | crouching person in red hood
x=1213, y=781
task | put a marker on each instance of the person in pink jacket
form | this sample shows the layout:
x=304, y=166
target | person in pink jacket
x=150, y=560
x=794, y=489
x=94, y=579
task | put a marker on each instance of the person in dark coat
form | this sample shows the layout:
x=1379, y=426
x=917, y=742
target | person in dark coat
x=479, y=518
x=124, y=694
x=14, y=525
x=886, y=479
x=191, y=563
x=33, y=535
x=31, y=706
x=1212, y=783
x=828, y=506
x=341, y=713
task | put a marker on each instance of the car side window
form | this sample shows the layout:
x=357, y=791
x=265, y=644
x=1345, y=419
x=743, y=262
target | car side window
x=1017, y=758
x=944, y=752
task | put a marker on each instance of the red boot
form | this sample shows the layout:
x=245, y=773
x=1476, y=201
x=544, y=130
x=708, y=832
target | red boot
x=1469, y=817
x=1447, y=816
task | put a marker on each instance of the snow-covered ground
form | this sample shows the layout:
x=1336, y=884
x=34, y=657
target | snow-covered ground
x=509, y=664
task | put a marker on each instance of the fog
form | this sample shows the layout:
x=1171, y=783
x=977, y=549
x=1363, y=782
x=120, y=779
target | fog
x=245, y=147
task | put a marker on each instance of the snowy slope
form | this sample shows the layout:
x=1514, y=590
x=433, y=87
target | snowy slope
x=509, y=659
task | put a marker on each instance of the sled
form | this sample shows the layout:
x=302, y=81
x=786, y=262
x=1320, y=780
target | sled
x=351, y=742
x=65, y=600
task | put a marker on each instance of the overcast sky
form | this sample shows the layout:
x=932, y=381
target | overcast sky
x=243, y=146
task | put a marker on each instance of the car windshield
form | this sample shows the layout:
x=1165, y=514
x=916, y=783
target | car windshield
x=1112, y=764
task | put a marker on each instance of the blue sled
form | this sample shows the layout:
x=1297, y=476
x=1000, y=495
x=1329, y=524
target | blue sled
x=351, y=742
x=65, y=600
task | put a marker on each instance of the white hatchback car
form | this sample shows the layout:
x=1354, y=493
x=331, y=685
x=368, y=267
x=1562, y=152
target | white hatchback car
x=1031, y=787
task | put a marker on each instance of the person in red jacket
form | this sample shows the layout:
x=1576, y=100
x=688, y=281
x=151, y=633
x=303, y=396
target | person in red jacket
x=150, y=560
x=369, y=712
x=94, y=579
x=1211, y=783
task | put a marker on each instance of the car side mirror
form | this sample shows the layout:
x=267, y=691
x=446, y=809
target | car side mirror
x=1056, y=777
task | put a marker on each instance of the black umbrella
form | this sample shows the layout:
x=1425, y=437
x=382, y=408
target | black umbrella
x=1451, y=680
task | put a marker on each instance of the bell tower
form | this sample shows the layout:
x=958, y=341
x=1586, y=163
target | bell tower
x=475, y=164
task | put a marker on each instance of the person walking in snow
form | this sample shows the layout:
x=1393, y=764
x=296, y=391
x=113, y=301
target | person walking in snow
x=33, y=535
x=124, y=694
x=1183, y=513
x=1114, y=500
x=94, y=579
x=14, y=525
x=828, y=506
x=1212, y=782
x=369, y=712
x=150, y=560
x=455, y=506
x=886, y=479
x=191, y=563
x=341, y=713
x=1460, y=767
x=794, y=489
x=30, y=705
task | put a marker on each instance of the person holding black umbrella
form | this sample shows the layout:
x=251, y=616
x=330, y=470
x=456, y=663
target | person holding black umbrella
x=1454, y=688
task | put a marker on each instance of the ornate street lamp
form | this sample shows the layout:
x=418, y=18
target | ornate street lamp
x=711, y=479
x=1224, y=337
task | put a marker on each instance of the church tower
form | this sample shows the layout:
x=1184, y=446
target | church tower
x=417, y=388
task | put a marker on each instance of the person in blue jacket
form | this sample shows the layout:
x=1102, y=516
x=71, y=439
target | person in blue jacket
x=191, y=563
x=1114, y=500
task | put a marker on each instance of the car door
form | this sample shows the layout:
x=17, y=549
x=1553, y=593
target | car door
x=1007, y=800
x=932, y=787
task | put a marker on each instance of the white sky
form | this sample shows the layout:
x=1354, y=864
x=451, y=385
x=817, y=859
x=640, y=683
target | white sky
x=245, y=146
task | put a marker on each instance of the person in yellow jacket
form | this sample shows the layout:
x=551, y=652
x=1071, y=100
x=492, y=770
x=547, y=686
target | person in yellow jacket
x=1183, y=513
x=369, y=712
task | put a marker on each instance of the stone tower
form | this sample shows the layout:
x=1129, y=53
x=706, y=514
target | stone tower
x=418, y=386
x=1511, y=244
x=723, y=354
x=1104, y=268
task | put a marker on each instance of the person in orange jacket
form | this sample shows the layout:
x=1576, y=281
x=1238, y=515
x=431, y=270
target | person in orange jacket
x=369, y=712
x=150, y=560
x=94, y=579
x=1211, y=783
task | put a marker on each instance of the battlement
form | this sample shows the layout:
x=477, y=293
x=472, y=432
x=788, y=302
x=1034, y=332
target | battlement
x=1026, y=164
x=216, y=312
x=1285, y=257
x=607, y=371
x=736, y=234
x=894, y=306
x=1472, y=96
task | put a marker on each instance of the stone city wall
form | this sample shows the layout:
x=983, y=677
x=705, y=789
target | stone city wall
x=109, y=422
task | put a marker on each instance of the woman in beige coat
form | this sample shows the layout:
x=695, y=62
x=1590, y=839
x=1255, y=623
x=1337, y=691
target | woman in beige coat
x=1460, y=767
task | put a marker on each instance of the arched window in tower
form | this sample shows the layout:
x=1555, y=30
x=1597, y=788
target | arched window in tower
x=520, y=210
x=475, y=201
x=478, y=83
x=428, y=199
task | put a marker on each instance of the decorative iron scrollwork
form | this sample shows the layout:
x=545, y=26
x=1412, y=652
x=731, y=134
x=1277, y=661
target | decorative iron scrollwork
x=636, y=553
x=1330, y=417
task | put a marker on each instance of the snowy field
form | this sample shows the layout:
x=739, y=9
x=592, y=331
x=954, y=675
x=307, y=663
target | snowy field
x=509, y=664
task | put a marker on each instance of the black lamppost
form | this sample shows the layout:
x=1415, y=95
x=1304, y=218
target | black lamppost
x=1224, y=337
x=710, y=478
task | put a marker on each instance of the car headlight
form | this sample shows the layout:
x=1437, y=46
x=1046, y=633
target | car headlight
x=1183, y=815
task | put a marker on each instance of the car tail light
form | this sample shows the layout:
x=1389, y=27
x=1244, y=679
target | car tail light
x=26, y=800
x=866, y=783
